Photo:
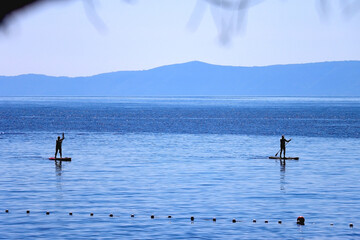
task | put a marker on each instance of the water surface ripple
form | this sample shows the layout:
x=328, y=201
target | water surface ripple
x=201, y=157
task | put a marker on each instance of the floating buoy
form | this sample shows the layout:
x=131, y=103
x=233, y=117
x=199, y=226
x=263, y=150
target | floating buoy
x=351, y=225
x=47, y=213
x=169, y=216
x=6, y=210
x=91, y=214
x=279, y=222
x=234, y=220
x=254, y=220
x=70, y=213
x=300, y=220
x=132, y=215
x=214, y=219
x=28, y=211
x=192, y=218
x=111, y=215
x=152, y=216
x=331, y=224
x=266, y=221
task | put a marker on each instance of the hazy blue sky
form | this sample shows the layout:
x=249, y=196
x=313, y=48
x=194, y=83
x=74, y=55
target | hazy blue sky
x=67, y=39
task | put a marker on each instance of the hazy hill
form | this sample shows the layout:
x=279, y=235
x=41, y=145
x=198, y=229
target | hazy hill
x=197, y=78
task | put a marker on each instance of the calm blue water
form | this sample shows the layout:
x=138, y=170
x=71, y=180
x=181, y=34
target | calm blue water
x=203, y=157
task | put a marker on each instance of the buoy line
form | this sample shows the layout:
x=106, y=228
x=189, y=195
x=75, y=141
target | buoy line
x=299, y=221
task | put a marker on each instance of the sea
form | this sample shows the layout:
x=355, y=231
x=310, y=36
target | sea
x=143, y=166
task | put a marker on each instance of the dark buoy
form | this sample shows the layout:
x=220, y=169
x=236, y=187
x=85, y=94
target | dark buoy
x=152, y=216
x=111, y=215
x=300, y=220
x=132, y=215
x=214, y=219
x=266, y=221
x=91, y=214
x=169, y=216
x=331, y=224
x=70, y=213
x=47, y=213
x=6, y=210
x=351, y=225
x=234, y=220
x=27, y=211
x=254, y=220
x=279, y=222
x=192, y=218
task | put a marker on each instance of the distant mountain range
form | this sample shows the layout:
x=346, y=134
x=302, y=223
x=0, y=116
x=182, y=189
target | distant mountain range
x=198, y=78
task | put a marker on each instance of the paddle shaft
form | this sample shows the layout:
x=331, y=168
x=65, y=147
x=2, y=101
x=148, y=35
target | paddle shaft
x=280, y=148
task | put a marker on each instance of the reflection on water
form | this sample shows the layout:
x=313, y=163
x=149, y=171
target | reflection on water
x=58, y=168
x=58, y=173
x=282, y=175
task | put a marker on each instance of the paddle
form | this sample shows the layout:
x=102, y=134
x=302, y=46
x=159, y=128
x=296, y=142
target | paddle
x=280, y=148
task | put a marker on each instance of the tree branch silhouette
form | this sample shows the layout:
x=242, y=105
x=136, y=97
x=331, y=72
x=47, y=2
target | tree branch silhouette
x=229, y=15
x=7, y=8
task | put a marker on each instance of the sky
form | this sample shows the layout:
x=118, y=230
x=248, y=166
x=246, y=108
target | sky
x=84, y=38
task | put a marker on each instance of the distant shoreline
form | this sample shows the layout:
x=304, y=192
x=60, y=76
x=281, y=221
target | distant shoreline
x=326, y=79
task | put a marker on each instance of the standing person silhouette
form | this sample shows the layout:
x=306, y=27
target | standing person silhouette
x=58, y=145
x=283, y=142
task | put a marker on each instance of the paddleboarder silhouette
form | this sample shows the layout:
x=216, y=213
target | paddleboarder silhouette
x=58, y=145
x=283, y=142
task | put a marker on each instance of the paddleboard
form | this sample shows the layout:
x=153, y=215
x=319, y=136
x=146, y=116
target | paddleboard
x=60, y=159
x=287, y=158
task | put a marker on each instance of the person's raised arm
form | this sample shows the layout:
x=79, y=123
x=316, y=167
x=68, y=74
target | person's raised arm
x=63, y=137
